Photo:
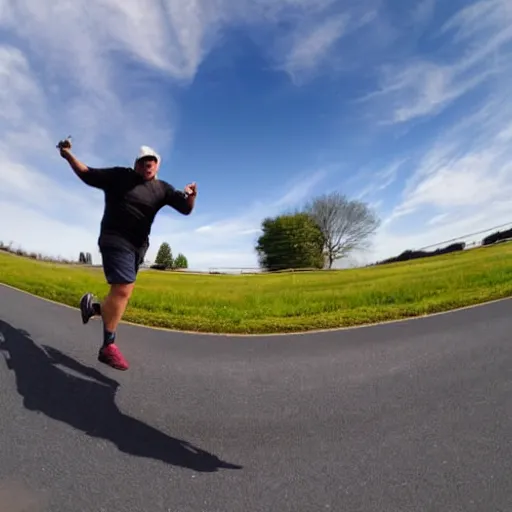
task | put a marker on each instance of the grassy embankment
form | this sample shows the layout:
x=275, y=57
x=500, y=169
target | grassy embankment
x=284, y=302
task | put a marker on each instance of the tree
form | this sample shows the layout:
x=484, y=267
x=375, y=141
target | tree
x=180, y=261
x=85, y=258
x=345, y=225
x=290, y=241
x=164, y=255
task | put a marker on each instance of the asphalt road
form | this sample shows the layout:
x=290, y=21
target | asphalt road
x=411, y=416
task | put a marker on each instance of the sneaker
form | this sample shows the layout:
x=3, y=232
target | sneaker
x=112, y=356
x=86, y=307
x=89, y=307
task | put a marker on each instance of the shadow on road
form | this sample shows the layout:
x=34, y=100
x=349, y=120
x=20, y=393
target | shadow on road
x=87, y=403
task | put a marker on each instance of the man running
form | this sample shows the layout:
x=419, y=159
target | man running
x=133, y=197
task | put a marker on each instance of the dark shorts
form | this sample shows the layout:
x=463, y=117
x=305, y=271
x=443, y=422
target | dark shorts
x=121, y=265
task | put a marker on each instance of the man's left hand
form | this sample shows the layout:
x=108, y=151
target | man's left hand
x=191, y=189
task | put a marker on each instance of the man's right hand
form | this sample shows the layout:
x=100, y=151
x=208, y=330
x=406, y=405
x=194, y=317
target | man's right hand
x=64, y=146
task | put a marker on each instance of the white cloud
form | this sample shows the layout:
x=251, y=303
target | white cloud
x=461, y=185
x=16, y=78
x=172, y=36
x=469, y=180
x=32, y=230
x=460, y=182
x=478, y=18
x=424, y=87
x=82, y=46
x=378, y=181
x=469, y=228
x=22, y=144
x=438, y=219
x=431, y=87
x=298, y=190
x=308, y=48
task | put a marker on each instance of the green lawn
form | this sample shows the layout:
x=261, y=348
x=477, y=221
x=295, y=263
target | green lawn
x=283, y=302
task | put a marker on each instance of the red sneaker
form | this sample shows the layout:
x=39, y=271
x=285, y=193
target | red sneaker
x=112, y=356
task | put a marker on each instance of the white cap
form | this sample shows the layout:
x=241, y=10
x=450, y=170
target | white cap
x=145, y=151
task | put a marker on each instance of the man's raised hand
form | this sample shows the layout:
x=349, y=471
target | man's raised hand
x=64, y=146
x=191, y=189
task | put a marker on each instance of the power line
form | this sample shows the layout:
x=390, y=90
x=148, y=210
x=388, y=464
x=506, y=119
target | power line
x=466, y=236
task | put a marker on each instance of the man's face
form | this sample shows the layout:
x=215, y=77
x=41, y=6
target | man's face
x=147, y=167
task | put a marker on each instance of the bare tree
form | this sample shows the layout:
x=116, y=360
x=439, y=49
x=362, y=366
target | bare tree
x=346, y=225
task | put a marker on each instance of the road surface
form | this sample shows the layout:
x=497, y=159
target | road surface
x=410, y=416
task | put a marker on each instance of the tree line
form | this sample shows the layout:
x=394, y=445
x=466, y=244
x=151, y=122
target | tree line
x=164, y=259
x=413, y=255
x=497, y=236
x=409, y=254
x=328, y=228
x=85, y=258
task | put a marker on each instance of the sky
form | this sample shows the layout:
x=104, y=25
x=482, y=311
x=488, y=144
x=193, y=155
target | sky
x=403, y=104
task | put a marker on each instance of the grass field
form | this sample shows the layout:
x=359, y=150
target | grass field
x=283, y=302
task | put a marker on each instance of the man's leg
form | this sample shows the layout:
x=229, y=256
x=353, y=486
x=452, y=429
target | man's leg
x=120, y=267
x=113, y=308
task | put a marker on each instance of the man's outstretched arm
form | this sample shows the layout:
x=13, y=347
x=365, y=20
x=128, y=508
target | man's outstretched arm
x=98, y=178
x=181, y=201
x=75, y=164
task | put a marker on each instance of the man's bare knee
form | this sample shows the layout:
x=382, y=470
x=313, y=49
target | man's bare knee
x=122, y=291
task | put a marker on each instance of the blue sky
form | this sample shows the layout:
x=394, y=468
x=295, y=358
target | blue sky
x=265, y=104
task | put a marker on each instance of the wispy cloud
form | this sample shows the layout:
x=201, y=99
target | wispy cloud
x=478, y=18
x=380, y=180
x=424, y=87
x=25, y=136
x=461, y=185
x=309, y=47
x=462, y=182
x=85, y=47
x=438, y=220
x=34, y=231
x=18, y=89
x=287, y=197
x=171, y=36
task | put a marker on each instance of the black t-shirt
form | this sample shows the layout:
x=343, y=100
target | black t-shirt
x=131, y=204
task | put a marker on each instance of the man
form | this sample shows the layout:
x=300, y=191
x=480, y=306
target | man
x=133, y=197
